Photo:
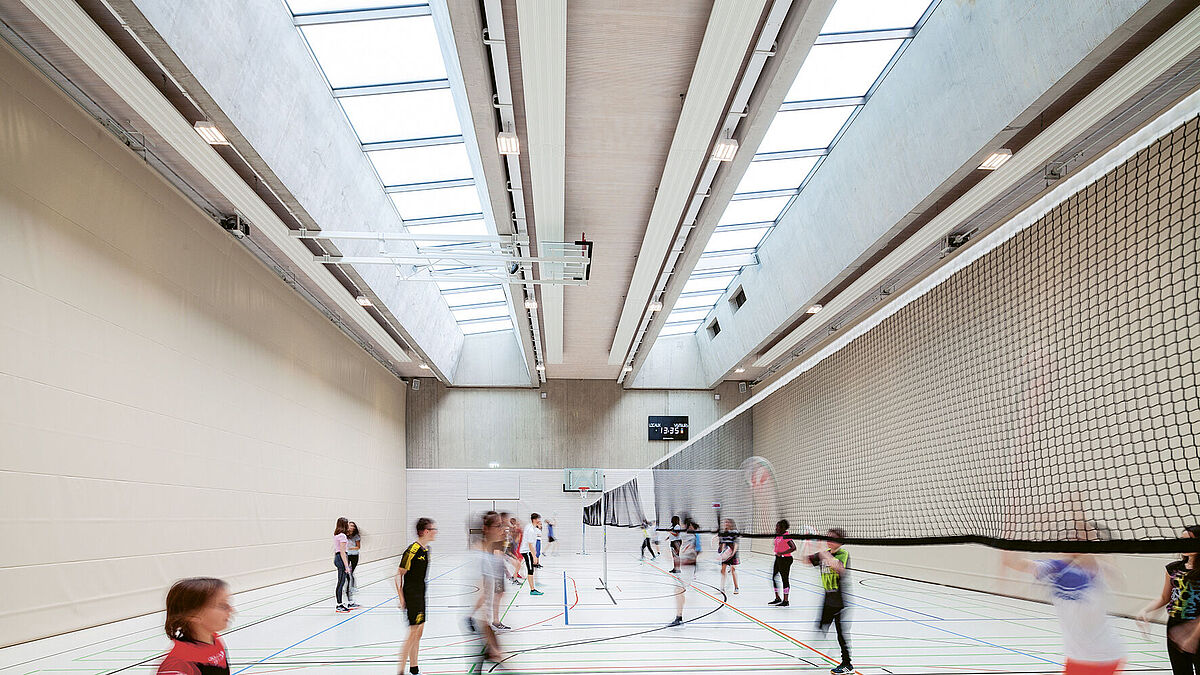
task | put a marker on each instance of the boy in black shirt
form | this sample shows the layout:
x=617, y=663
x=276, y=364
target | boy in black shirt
x=410, y=586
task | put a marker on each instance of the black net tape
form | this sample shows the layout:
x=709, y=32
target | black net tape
x=1044, y=397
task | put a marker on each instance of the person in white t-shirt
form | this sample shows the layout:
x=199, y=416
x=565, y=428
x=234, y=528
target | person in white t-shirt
x=1079, y=595
x=533, y=532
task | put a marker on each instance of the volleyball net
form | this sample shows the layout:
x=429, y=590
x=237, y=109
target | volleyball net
x=1042, y=397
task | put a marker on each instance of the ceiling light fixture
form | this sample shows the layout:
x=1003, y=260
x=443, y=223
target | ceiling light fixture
x=814, y=309
x=210, y=133
x=493, y=465
x=508, y=143
x=725, y=149
x=996, y=159
x=627, y=369
x=541, y=367
x=424, y=366
x=739, y=370
x=656, y=306
x=363, y=300
x=530, y=303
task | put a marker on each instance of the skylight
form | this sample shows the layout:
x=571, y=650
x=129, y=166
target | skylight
x=385, y=68
x=859, y=42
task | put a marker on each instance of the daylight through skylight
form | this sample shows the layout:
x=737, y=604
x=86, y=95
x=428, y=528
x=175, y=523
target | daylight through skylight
x=858, y=43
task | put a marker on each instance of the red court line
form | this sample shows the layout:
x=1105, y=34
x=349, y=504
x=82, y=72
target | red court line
x=760, y=622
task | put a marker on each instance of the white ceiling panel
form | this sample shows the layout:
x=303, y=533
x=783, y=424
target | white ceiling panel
x=402, y=116
x=860, y=15
x=804, y=129
x=377, y=52
x=422, y=165
x=842, y=70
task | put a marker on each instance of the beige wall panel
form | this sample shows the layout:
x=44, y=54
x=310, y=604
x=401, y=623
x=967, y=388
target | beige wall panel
x=580, y=423
x=168, y=407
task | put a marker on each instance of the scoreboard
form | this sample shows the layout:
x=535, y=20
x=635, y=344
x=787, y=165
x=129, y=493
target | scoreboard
x=668, y=428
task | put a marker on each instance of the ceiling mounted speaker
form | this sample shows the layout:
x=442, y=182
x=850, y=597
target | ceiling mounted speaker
x=416, y=384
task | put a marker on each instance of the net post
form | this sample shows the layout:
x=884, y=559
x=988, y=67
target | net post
x=583, y=515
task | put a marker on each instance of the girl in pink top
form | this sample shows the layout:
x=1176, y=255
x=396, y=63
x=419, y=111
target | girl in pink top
x=784, y=546
x=342, y=563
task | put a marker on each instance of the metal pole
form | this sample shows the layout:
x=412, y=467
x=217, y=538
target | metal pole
x=583, y=516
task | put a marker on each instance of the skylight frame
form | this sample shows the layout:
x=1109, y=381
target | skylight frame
x=905, y=35
x=349, y=88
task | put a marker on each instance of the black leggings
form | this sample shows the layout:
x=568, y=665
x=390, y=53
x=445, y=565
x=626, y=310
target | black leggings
x=646, y=547
x=831, y=613
x=1182, y=663
x=783, y=566
x=343, y=577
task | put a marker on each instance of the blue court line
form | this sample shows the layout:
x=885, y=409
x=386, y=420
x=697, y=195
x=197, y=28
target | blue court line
x=944, y=630
x=349, y=618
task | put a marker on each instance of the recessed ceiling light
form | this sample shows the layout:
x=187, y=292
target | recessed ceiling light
x=814, y=309
x=508, y=143
x=725, y=149
x=996, y=159
x=530, y=303
x=493, y=465
x=739, y=370
x=656, y=306
x=363, y=300
x=210, y=133
x=424, y=366
x=627, y=369
x=541, y=367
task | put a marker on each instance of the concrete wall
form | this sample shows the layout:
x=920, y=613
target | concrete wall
x=580, y=423
x=973, y=69
x=168, y=407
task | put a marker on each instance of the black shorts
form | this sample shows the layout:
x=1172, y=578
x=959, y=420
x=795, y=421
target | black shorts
x=414, y=604
x=528, y=562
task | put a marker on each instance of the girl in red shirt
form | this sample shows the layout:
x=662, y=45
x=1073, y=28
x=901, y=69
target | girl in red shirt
x=197, y=610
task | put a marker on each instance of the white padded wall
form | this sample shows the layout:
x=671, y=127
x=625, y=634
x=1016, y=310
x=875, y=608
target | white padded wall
x=168, y=407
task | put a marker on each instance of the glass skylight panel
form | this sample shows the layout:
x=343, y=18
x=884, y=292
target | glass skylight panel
x=402, y=116
x=776, y=174
x=476, y=297
x=422, y=165
x=842, y=70
x=858, y=15
x=459, y=285
x=726, y=261
x=318, y=6
x=439, y=202
x=804, y=129
x=492, y=326
x=463, y=228
x=496, y=311
x=733, y=240
x=763, y=210
x=708, y=283
x=385, y=51
x=682, y=315
x=698, y=300
x=679, y=328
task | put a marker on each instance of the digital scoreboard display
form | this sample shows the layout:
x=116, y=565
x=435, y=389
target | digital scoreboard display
x=668, y=427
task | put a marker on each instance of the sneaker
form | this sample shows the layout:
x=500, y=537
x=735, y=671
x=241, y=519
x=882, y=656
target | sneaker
x=471, y=624
x=842, y=669
x=536, y=592
x=674, y=571
x=735, y=591
x=783, y=604
x=537, y=566
x=676, y=622
x=342, y=609
x=500, y=626
x=776, y=601
x=352, y=605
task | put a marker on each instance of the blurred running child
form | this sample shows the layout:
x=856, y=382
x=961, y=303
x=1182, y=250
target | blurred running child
x=834, y=562
x=354, y=544
x=727, y=552
x=687, y=571
x=646, y=541
x=551, y=540
x=1078, y=592
x=528, y=547
x=410, y=586
x=674, y=539
x=198, y=609
x=486, y=613
x=784, y=547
